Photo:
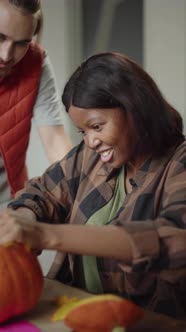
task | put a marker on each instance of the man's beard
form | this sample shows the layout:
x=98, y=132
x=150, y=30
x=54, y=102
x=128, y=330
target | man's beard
x=5, y=72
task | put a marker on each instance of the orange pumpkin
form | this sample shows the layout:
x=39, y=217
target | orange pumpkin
x=21, y=281
x=101, y=313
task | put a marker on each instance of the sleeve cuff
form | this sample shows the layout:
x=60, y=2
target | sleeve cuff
x=144, y=241
x=14, y=205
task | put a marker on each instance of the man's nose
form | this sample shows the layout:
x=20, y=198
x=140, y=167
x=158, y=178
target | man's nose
x=6, y=51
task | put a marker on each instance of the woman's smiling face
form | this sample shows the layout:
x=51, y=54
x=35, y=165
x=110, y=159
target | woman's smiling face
x=107, y=131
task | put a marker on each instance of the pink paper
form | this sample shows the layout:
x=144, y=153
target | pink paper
x=19, y=327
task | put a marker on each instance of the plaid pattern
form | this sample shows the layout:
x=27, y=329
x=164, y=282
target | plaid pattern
x=154, y=215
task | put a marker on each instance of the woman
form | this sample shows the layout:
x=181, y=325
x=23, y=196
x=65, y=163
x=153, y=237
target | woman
x=27, y=90
x=118, y=198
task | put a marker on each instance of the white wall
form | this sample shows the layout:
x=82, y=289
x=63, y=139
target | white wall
x=165, y=48
x=62, y=39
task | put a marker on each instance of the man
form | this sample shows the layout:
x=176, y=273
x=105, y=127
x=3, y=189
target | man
x=27, y=90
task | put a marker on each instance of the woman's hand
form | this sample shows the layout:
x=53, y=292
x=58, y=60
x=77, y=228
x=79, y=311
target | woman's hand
x=16, y=226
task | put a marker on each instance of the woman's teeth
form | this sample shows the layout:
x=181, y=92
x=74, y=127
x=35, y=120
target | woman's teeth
x=106, y=153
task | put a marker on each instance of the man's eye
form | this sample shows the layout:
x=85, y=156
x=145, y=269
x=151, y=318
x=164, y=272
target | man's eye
x=22, y=44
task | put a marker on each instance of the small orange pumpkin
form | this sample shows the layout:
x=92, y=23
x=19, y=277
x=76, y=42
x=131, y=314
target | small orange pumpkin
x=21, y=281
x=100, y=313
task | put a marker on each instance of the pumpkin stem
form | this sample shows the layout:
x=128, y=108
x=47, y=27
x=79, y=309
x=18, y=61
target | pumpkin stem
x=118, y=329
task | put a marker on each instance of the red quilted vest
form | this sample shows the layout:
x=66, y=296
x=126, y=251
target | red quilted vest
x=18, y=92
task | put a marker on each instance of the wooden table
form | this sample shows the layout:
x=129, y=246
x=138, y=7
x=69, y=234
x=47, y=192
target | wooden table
x=41, y=315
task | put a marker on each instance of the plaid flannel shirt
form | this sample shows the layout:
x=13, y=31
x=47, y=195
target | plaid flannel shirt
x=153, y=214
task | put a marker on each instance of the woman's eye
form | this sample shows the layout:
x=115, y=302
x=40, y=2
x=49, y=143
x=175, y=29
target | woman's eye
x=97, y=127
x=81, y=132
x=2, y=38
